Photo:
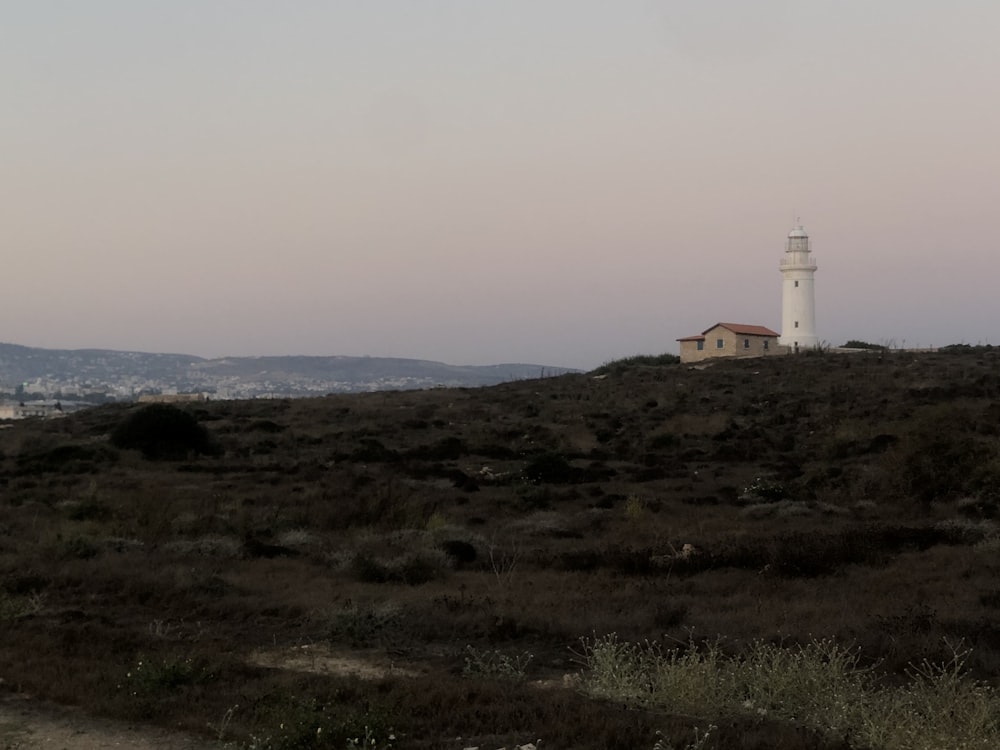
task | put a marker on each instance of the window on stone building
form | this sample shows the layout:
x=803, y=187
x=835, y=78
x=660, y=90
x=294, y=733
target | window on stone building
x=719, y=343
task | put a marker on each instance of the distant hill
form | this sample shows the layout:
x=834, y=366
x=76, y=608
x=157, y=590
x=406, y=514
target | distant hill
x=34, y=372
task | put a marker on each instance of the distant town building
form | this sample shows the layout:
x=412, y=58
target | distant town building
x=171, y=398
x=729, y=340
x=36, y=409
x=798, y=308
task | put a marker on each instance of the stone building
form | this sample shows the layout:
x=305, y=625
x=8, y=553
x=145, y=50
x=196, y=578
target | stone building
x=730, y=340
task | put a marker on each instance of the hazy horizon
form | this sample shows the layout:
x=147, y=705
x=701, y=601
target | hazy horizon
x=555, y=182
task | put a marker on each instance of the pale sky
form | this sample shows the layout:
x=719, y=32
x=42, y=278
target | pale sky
x=560, y=182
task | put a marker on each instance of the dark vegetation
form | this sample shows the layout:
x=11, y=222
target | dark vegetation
x=161, y=431
x=856, y=344
x=200, y=567
x=638, y=360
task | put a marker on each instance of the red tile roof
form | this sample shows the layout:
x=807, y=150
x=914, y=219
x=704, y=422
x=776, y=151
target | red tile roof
x=740, y=329
x=744, y=330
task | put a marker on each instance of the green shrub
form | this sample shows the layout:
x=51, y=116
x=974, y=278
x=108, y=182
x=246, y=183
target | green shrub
x=300, y=723
x=88, y=509
x=618, y=366
x=966, y=348
x=700, y=741
x=371, y=451
x=447, y=449
x=551, y=468
x=495, y=664
x=162, y=431
x=266, y=425
x=79, y=547
x=162, y=674
x=41, y=455
x=764, y=490
x=938, y=457
x=856, y=344
x=412, y=569
x=663, y=441
x=363, y=626
x=16, y=606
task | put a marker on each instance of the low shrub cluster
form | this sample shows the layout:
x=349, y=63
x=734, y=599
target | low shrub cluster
x=789, y=554
x=67, y=459
x=411, y=569
x=495, y=664
x=364, y=626
x=162, y=431
x=303, y=722
x=819, y=684
x=619, y=366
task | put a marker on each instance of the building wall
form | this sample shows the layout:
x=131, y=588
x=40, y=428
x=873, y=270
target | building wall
x=690, y=353
x=732, y=346
x=44, y=411
x=798, y=313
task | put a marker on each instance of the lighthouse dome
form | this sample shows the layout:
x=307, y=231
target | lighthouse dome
x=797, y=232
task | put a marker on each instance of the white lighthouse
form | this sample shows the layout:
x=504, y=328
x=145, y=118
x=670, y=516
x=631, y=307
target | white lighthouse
x=798, y=308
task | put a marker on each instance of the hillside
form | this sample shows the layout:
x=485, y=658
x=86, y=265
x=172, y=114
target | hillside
x=116, y=375
x=457, y=568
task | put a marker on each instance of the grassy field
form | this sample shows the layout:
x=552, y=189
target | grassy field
x=792, y=552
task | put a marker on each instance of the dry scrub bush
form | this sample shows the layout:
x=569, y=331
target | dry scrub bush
x=16, y=606
x=299, y=723
x=820, y=685
x=496, y=664
x=364, y=625
x=699, y=742
x=411, y=569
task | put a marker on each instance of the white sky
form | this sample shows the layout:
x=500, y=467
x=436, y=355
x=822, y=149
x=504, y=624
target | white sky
x=553, y=181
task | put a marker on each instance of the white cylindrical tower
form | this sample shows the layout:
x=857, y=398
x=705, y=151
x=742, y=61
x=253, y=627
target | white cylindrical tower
x=798, y=308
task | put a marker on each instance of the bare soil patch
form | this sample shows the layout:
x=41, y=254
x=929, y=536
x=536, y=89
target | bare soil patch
x=322, y=659
x=27, y=724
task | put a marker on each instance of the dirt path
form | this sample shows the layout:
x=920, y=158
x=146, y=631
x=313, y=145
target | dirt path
x=30, y=725
x=26, y=724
